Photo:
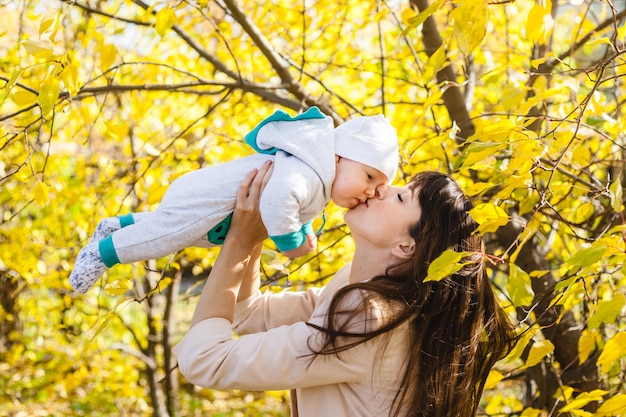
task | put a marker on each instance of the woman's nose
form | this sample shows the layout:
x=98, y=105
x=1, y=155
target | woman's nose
x=381, y=191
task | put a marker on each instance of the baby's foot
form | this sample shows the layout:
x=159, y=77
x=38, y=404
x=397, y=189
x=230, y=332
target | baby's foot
x=88, y=268
x=105, y=228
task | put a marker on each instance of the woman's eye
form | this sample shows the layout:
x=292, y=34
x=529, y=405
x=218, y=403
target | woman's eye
x=400, y=197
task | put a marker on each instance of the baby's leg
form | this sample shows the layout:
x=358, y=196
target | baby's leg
x=87, y=268
x=89, y=265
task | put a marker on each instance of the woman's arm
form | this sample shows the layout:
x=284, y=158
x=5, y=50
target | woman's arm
x=235, y=274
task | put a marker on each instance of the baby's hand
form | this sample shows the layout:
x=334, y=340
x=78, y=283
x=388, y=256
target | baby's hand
x=309, y=245
x=311, y=239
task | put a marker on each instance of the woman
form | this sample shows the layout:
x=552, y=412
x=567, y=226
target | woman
x=377, y=340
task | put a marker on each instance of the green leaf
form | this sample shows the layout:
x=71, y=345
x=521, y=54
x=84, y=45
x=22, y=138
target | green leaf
x=519, y=287
x=616, y=195
x=586, y=256
x=607, y=311
x=445, y=265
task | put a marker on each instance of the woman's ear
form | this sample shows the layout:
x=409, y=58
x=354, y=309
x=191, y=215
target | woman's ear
x=403, y=250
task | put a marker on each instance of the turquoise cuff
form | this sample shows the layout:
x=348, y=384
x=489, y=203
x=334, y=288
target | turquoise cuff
x=290, y=241
x=126, y=220
x=280, y=116
x=107, y=252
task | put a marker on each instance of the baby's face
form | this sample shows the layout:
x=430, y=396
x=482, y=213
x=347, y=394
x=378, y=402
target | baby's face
x=355, y=183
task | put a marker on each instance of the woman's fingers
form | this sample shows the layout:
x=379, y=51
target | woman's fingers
x=246, y=221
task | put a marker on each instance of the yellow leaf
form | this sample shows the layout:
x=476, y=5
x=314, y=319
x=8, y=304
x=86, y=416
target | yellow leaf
x=49, y=93
x=478, y=188
x=42, y=193
x=41, y=48
x=470, y=24
x=108, y=53
x=539, y=350
x=445, y=265
x=24, y=98
x=614, y=349
x=583, y=399
x=493, y=378
x=414, y=22
x=539, y=24
x=118, y=287
x=69, y=75
x=489, y=217
x=165, y=19
x=531, y=412
x=585, y=211
x=614, y=406
x=586, y=345
x=47, y=21
x=434, y=63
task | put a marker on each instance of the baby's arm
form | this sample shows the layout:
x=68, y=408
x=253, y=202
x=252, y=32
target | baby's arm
x=309, y=245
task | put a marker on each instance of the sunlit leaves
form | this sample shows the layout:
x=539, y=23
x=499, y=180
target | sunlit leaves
x=613, y=406
x=489, y=217
x=607, y=311
x=165, y=19
x=416, y=21
x=614, y=349
x=49, y=91
x=582, y=400
x=445, y=265
x=470, y=24
x=539, y=24
x=538, y=350
x=519, y=287
x=39, y=48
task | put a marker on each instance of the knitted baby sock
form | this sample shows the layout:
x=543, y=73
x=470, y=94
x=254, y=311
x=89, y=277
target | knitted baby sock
x=105, y=228
x=88, y=268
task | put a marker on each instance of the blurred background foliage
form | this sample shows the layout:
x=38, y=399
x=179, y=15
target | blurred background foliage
x=104, y=103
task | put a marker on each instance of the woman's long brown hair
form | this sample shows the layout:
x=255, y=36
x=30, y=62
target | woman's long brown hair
x=457, y=328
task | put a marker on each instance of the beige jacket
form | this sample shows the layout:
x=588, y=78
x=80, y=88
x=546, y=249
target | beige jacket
x=273, y=353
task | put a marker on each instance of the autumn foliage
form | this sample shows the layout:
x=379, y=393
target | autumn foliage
x=104, y=103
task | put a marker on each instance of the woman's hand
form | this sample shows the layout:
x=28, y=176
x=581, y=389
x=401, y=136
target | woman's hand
x=246, y=224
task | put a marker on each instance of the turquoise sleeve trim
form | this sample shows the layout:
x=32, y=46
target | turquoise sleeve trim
x=107, y=251
x=289, y=241
x=307, y=228
x=293, y=240
x=126, y=220
x=280, y=116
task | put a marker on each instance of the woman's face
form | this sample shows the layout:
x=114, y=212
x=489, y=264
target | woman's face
x=385, y=219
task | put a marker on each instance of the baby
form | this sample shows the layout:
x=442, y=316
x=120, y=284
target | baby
x=313, y=163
